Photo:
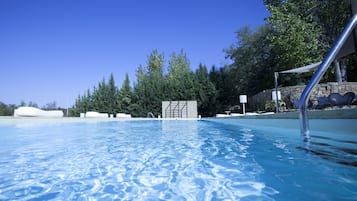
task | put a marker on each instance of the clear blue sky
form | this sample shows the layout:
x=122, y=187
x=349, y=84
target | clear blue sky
x=53, y=50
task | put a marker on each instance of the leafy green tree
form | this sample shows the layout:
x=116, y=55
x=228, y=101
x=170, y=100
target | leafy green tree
x=316, y=25
x=180, y=78
x=149, y=89
x=155, y=64
x=6, y=110
x=228, y=88
x=295, y=36
x=156, y=82
x=216, y=77
x=333, y=16
x=206, y=93
x=252, y=68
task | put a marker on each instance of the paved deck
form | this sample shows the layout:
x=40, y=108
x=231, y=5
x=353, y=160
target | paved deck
x=350, y=113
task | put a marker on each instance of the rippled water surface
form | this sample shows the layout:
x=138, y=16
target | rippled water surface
x=165, y=160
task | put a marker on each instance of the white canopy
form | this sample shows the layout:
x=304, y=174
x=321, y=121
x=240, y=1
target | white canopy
x=303, y=69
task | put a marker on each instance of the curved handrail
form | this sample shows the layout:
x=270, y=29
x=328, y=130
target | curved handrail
x=178, y=108
x=183, y=107
x=169, y=106
x=150, y=115
x=331, y=56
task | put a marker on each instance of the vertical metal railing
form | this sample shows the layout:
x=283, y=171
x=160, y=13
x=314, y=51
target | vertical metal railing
x=331, y=56
x=175, y=109
x=183, y=107
x=168, y=108
x=178, y=111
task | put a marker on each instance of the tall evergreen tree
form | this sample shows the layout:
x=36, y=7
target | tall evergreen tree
x=112, y=90
x=156, y=82
x=139, y=107
x=126, y=96
x=103, y=99
x=180, y=78
x=206, y=93
x=149, y=89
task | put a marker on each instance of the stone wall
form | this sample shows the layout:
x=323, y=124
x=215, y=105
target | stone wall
x=291, y=95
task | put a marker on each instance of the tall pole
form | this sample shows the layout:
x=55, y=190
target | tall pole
x=276, y=75
x=243, y=100
x=243, y=108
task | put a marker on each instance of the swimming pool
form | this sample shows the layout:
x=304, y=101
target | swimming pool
x=172, y=160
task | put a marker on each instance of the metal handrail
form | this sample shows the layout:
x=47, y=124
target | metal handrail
x=184, y=106
x=331, y=56
x=176, y=106
x=150, y=115
x=169, y=106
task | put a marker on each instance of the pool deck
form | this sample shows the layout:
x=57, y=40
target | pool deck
x=349, y=113
x=10, y=120
x=340, y=120
x=320, y=120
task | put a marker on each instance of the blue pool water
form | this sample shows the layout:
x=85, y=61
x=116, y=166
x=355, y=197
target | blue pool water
x=172, y=160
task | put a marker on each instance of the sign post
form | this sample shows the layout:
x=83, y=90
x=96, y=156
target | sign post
x=243, y=100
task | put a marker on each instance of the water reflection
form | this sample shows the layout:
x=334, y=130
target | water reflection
x=338, y=148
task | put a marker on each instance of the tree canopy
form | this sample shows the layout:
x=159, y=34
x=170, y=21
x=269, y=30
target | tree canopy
x=152, y=87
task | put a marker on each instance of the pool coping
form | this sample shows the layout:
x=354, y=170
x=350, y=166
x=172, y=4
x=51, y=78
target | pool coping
x=349, y=113
x=287, y=120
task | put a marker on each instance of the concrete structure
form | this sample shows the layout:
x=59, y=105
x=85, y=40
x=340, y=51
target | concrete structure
x=35, y=112
x=179, y=109
x=92, y=114
x=123, y=115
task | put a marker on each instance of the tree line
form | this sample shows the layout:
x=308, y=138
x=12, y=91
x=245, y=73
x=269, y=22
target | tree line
x=296, y=33
x=151, y=88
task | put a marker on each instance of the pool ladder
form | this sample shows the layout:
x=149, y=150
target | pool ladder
x=345, y=45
